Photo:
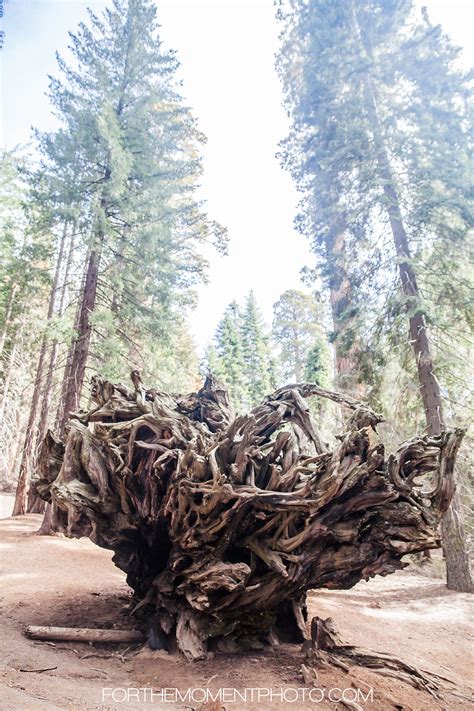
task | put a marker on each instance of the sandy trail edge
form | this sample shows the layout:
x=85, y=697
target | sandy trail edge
x=50, y=580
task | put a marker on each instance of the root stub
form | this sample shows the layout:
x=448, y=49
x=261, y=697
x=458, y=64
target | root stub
x=223, y=523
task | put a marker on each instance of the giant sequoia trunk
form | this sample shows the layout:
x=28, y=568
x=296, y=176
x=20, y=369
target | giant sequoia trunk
x=222, y=524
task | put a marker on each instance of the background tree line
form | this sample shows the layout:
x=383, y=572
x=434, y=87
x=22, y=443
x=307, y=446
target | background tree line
x=252, y=359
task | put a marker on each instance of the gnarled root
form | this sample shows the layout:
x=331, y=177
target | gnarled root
x=222, y=523
x=325, y=649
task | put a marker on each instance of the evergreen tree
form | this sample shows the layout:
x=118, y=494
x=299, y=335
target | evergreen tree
x=241, y=355
x=230, y=356
x=380, y=147
x=318, y=364
x=131, y=145
x=259, y=362
x=297, y=324
x=25, y=254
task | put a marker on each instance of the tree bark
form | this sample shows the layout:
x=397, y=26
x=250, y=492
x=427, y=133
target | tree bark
x=346, y=356
x=452, y=526
x=80, y=348
x=61, y=415
x=21, y=497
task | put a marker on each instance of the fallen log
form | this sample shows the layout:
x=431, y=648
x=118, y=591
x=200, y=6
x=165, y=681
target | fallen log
x=82, y=634
x=223, y=522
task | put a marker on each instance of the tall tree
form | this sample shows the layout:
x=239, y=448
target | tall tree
x=241, y=355
x=229, y=362
x=21, y=497
x=259, y=361
x=125, y=163
x=380, y=145
x=134, y=145
x=25, y=252
x=297, y=325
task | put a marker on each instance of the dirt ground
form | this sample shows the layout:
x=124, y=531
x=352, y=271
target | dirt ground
x=56, y=581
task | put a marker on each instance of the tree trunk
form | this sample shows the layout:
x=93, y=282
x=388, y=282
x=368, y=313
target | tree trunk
x=345, y=329
x=21, y=497
x=35, y=503
x=61, y=415
x=84, y=634
x=9, y=369
x=69, y=398
x=453, y=534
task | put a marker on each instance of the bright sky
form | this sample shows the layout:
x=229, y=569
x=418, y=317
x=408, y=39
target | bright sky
x=226, y=48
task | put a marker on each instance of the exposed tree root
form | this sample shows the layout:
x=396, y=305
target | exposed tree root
x=223, y=523
x=326, y=649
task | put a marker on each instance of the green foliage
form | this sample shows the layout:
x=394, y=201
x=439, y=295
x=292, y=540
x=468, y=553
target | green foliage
x=229, y=362
x=330, y=50
x=241, y=356
x=125, y=166
x=259, y=363
x=297, y=326
x=25, y=247
x=318, y=364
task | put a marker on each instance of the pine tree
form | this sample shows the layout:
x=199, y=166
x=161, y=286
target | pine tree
x=229, y=361
x=130, y=145
x=25, y=253
x=379, y=146
x=318, y=364
x=297, y=325
x=259, y=362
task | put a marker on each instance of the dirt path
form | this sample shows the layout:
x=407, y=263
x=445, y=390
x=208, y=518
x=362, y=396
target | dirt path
x=73, y=583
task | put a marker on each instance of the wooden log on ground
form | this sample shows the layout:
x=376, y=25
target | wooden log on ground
x=82, y=634
x=223, y=522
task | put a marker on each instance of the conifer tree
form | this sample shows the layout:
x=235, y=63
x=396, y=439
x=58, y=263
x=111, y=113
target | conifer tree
x=379, y=147
x=297, y=325
x=259, y=362
x=125, y=162
x=131, y=146
x=318, y=363
x=230, y=356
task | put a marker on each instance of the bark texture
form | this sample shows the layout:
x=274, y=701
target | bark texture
x=222, y=524
x=77, y=359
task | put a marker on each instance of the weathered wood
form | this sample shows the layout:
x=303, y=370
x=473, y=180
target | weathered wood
x=223, y=523
x=325, y=648
x=82, y=634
